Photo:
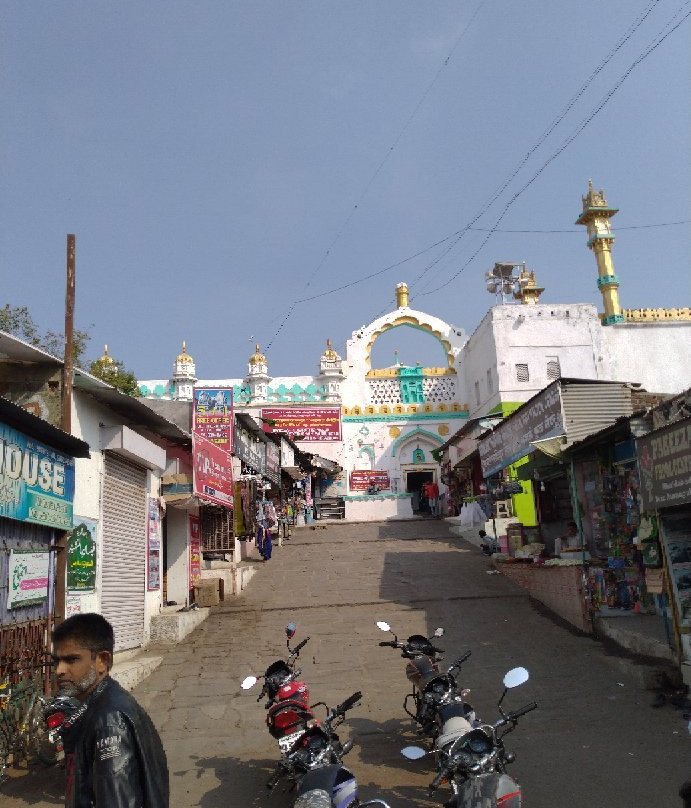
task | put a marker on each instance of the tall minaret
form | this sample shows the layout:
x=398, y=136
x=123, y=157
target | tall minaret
x=331, y=373
x=258, y=376
x=183, y=376
x=596, y=215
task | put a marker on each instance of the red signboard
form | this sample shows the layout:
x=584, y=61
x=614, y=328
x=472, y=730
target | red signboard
x=362, y=480
x=313, y=424
x=212, y=472
x=195, y=551
x=212, y=410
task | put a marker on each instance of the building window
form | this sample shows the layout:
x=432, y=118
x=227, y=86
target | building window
x=477, y=393
x=553, y=368
x=522, y=374
x=490, y=383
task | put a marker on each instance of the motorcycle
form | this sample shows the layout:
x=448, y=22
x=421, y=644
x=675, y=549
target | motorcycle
x=473, y=760
x=59, y=714
x=314, y=764
x=437, y=697
x=288, y=698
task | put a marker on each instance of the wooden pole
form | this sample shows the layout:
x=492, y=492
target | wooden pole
x=66, y=423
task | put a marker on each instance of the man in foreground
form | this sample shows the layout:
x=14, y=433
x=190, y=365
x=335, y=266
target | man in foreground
x=113, y=754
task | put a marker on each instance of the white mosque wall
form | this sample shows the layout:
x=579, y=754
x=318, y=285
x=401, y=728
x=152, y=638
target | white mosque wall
x=658, y=356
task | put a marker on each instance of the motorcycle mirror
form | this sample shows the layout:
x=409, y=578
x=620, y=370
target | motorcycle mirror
x=382, y=626
x=439, y=632
x=248, y=682
x=413, y=752
x=291, y=628
x=516, y=677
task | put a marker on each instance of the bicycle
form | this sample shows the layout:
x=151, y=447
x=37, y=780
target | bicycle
x=24, y=734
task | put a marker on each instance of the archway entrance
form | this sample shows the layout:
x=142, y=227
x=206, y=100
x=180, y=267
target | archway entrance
x=414, y=481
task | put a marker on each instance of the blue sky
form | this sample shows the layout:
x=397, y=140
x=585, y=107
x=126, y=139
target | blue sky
x=207, y=154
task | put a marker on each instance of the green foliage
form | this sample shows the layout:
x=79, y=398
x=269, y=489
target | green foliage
x=17, y=320
x=113, y=372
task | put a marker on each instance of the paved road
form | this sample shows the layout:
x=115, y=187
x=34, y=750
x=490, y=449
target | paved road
x=594, y=742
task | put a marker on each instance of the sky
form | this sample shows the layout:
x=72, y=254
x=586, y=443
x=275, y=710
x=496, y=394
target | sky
x=220, y=160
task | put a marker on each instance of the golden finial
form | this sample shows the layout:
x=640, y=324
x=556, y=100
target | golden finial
x=257, y=357
x=402, y=297
x=329, y=354
x=105, y=359
x=184, y=356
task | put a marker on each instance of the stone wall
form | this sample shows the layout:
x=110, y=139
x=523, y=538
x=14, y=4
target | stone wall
x=558, y=588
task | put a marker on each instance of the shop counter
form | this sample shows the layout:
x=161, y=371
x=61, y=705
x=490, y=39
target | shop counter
x=559, y=588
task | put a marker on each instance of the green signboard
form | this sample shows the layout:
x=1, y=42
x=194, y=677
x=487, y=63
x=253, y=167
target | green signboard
x=81, y=556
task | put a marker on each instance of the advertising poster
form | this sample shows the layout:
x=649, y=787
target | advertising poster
x=362, y=480
x=81, y=556
x=153, y=545
x=273, y=463
x=36, y=482
x=306, y=424
x=212, y=472
x=28, y=578
x=249, y=449
x=664, y=462
x=212, y=415
x=195, y=551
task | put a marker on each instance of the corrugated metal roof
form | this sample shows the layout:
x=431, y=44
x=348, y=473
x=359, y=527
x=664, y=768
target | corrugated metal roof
x=589, y=408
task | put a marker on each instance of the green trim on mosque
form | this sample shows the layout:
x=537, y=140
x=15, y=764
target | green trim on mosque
x=413, y=434
x=404, y=416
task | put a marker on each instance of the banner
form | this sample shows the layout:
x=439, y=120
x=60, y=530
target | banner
x=81, y=556
x=212, y=415
x=195, y=551
x=308, y=424
x=538, y=419
x=362, y=480
x=273, y=463
x=36, y=482
x=664, y=462
x=212, y=472
x=28, y=578
x=249, y=449
x=153, y=545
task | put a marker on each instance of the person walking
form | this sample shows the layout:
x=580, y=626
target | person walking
x=113, y=754
x=433, y=498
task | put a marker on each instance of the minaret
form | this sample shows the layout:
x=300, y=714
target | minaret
x=258, y=376
x=596, y=215
x=107, y=362
x=331, y=372
x=184, y=376
x=528, y=291
x=402, y=296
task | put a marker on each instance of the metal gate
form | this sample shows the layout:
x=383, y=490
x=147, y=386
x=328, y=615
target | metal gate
x=24, y=631
x=124, y=550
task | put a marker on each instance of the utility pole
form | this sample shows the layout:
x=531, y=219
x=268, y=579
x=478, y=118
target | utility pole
x=66, y=423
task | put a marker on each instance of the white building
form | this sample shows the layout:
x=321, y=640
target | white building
x=392, y=419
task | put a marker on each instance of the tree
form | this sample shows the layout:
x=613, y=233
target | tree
x=113, y=372
x=17, y=320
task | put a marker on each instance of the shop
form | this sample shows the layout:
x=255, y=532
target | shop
x=535, y=439
x=37, y=483
x=664, y=459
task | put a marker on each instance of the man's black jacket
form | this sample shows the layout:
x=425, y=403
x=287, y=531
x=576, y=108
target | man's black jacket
x=114, y=757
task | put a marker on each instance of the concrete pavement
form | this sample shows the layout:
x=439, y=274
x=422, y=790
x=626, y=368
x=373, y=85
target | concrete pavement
x=594, y=741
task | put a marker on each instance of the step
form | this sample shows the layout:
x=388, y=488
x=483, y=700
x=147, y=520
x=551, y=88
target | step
x=130, y=672
x=171, y=627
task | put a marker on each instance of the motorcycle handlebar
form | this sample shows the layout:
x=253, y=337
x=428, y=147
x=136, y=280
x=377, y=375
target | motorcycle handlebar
x=300, y=645
x=524, y=710
x=462, y=659
x=388, y=644
x=351, y=701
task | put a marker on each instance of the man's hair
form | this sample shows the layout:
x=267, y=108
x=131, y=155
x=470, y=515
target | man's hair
x=571, y=524
x=90, y=630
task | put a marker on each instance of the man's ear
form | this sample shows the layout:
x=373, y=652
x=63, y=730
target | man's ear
x=104, y=661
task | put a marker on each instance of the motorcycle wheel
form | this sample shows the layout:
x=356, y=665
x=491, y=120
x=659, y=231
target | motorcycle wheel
x=38, y=744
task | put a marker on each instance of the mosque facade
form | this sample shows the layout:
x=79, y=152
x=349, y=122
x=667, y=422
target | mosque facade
x=384, y=424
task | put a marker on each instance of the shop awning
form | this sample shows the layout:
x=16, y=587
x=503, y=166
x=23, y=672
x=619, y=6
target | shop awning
x=552, y=447
x=294, y=472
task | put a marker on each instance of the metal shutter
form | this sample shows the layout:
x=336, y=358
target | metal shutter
x=124, y=550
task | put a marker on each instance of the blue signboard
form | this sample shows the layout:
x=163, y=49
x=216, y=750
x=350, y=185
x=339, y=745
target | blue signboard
x=36, y=482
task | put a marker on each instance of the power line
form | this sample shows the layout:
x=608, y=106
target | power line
x=628, y=33
x=580, y=230
x=379, y=168
x=654, y=44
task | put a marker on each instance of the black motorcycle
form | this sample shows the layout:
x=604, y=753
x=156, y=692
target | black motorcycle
x=436, y=694
x=473, y=760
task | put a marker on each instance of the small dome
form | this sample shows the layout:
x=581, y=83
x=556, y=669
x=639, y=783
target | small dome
x=329, y=354
x=184, y=356
x=257, y=357
x=105, y=359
